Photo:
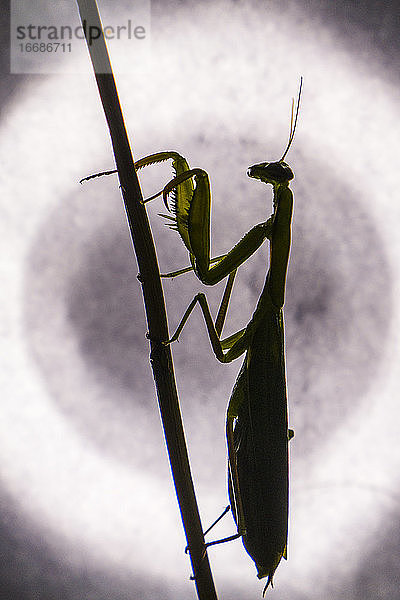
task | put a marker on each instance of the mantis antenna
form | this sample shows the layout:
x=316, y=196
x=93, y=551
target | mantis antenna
x=293, y=125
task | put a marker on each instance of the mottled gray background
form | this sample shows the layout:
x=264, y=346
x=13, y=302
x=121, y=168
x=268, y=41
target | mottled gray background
x=87, y=503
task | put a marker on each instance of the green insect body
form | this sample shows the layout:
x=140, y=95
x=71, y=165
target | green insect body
x=257, y=428
x=259, y=490
x=257, y=415
x=257, y=420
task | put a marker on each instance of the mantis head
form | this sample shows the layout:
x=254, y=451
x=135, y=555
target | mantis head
x=271, y=172
x=278, y=172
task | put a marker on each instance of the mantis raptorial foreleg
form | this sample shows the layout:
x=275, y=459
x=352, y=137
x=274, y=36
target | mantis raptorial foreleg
x=190, y=208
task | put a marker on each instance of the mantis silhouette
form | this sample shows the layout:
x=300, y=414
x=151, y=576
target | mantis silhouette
x=257, y=421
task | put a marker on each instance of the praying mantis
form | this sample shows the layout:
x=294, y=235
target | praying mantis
x=257, y=417
x=257, y=420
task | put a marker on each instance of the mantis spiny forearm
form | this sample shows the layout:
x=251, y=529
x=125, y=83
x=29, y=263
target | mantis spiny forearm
x=190, y=208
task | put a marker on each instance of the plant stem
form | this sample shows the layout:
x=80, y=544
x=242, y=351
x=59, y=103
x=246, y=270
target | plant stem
x=149, y=276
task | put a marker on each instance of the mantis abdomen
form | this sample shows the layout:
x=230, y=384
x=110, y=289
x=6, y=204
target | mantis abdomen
x=261, y=446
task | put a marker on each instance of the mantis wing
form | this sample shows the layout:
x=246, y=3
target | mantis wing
x=260, y=443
